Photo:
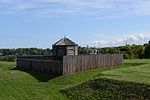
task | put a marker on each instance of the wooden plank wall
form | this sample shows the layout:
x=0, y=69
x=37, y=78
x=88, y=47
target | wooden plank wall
x=88, y=62
x=54, y=67
x=69, y=64
x=37, y=57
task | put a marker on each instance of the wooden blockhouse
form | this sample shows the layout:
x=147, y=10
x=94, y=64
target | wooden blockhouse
x=64, y=47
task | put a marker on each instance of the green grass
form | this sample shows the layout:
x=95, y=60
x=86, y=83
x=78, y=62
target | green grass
x=110, y=89
x=132, y=70
x=16, y=84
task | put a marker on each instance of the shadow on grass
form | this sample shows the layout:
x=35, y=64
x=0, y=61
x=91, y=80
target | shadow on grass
x=42, y=77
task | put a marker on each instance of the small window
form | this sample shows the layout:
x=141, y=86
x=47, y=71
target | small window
x=71, y=49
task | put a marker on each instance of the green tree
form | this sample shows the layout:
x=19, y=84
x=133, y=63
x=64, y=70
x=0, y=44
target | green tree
x=147, y=51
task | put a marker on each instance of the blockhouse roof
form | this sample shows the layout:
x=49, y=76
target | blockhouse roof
x=64, y=42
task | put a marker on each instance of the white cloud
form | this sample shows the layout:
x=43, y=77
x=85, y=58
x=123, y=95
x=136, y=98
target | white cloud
x=96, y=8
x=97, y=43
x=128, y=39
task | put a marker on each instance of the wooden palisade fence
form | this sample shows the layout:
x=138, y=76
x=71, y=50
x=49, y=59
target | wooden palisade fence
x=68, y=64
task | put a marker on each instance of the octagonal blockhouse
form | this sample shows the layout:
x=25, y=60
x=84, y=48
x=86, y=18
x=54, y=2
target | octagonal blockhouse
x=64, y=47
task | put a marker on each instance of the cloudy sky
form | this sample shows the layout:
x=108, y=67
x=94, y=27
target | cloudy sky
x=40, y=23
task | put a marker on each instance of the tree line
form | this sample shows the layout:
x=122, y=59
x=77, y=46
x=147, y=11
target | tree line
x=25, y=51
x=129, y=51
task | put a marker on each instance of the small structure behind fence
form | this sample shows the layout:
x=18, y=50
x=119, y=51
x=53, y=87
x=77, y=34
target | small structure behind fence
x=68, y=64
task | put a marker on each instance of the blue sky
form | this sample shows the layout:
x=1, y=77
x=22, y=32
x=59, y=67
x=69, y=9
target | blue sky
x=40, y=23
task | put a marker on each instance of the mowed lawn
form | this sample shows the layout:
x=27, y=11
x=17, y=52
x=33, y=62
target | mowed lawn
x=22, y=85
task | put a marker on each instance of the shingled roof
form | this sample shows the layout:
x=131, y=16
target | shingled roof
x=64, y=42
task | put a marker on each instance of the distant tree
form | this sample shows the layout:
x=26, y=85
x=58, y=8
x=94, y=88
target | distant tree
x=113, y=50
x=147, y=51
x=137, y=51
x=102, y=50
x=83, y=50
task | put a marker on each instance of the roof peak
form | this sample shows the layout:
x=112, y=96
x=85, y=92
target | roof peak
x=64, y=36
x=65, y=41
